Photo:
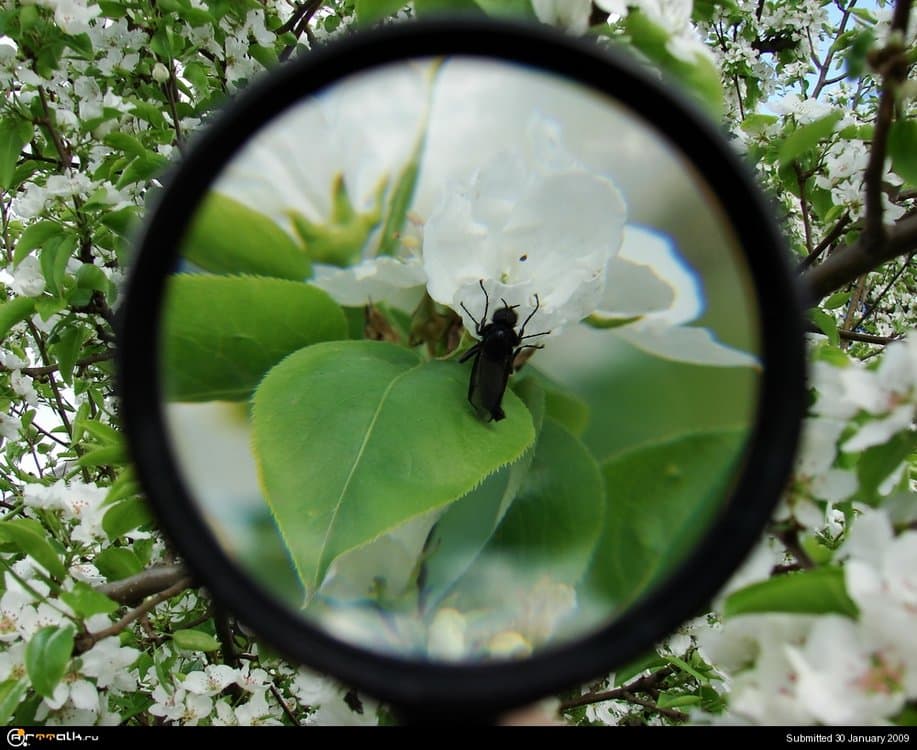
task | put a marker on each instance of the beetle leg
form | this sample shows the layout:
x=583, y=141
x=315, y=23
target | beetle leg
x=472, y=351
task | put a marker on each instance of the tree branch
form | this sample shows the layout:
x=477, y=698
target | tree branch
x=87, y=640
x=848, y=263
x=646, y=684
x=137, y=587
x=891, y=64
x=833, y=236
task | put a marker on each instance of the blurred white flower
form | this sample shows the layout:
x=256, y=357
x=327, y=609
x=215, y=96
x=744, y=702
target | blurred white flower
x=28, y=279
x=312, y=689
x=651, y=293
x=673, y=17
x=881, y=578
x=446, y=637
x=804, y=110
x=570, y=15
x=336, y=711
x=752, y=648
x=73, y=16
x=842, y=678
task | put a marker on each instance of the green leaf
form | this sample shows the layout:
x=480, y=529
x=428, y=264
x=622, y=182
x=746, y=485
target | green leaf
x=14, y=135
x=817, y=591
x=222, y=334
x=826, y=324
x=123, y=487
x=902, y=147
x=12, y=691
x=567, y=409
x=806, y=137
x=32, y=539
x=116, y=563
x=103, y=433
x=458, y=537
x=370, y=11
x=125, y=142
x=353, y=438
x=67, y=349
x=14, y=311
x=426, y=8
x=35, y=235
x=836, y=300
x=54, y=257
x=521, y=9
x=661, y=499
x=47, y=656
x=195, y=640
x=757, y=122
x=142, y=168
x=553, y=525
x=126, y=516
x=228, y=237
x=400, y=201
x=108, y=455
x=877, y=462
x=85, y=601
x=699, y=75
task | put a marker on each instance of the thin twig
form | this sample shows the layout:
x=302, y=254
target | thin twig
x=875, y=304
x=645, y=683
x=283, y=704
x=37, y=372
x=804, y=206
x=829, y=239
x=88, y=640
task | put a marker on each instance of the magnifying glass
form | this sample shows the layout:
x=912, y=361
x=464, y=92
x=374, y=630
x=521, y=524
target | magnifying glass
x=461, y=362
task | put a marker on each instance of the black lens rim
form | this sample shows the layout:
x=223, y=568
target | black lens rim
x=435, y=689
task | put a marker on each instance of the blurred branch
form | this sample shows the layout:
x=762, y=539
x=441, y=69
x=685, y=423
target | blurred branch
x=848, y=263
x=137, y=587
x=890, y=63
x=300, y=25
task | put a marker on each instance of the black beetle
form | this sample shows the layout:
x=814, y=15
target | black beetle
x=494, y=355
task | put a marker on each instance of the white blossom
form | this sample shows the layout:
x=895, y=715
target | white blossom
x=28, y=279
x=506, y=224
x=571, y=15
x=108, y=661
x=211, y=680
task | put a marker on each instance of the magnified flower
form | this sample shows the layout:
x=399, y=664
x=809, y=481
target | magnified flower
x=651, y=293
x=509, y=226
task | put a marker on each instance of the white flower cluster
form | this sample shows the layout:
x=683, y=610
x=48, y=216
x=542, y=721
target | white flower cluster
x=830, y=669
x=94, y=679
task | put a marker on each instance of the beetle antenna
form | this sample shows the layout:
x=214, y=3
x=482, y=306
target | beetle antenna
x=522, y=330
x=477, y=326
x=486, y=299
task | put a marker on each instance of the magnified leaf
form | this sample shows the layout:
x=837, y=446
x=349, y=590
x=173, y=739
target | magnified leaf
x=354, y=438
x=553, y=525
x=222, y=333
x=661, y=498
x=468, y=524
x=228, y=237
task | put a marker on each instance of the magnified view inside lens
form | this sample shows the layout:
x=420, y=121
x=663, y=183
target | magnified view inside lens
x=460, y=359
